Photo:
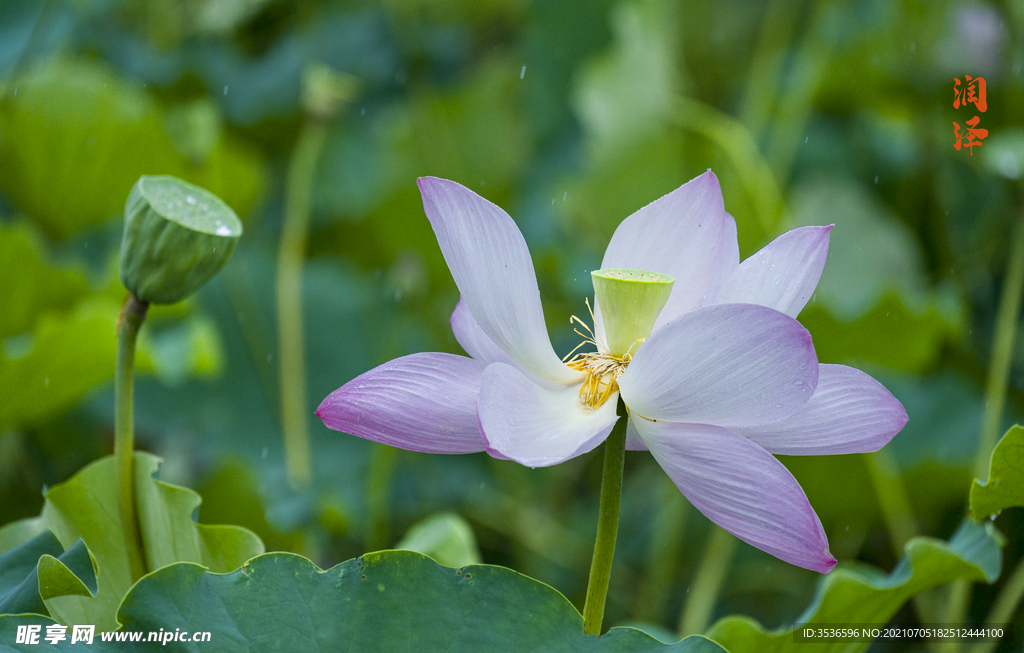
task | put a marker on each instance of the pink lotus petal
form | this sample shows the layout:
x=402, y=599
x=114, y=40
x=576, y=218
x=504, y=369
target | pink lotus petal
x=423, y=402
x=491, y=265
x=679, y=235
x=783, y=274
x=536, y=426
x=742, y=488
x=849, y=412
x=730, y=365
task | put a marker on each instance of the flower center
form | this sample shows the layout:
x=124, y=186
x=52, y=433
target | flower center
x=630, y=302
x=603, y=371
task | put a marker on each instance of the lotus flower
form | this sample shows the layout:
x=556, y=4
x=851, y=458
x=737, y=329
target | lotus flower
x=715, y=372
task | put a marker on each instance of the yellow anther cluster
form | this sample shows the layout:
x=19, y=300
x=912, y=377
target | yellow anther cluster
x=602, y=369
x=601, y=382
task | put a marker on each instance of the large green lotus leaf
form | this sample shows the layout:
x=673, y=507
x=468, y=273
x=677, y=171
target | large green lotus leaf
x=1005, y=485
x=40, y=568
x=76, y=137
x=29, y=285
x=385, y=601
x=858, y=594
x=85, y=507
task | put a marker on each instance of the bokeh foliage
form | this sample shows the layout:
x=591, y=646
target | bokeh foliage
x=570, y=116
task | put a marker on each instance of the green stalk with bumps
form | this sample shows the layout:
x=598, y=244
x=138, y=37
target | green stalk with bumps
x=176, y=237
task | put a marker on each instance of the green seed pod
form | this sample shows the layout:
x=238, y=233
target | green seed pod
x=176, y=236
x=631, y=301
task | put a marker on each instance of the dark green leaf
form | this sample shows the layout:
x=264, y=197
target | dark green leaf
x=1005, y=485
x=85, y=508
x=40, y=568
x=386, y=601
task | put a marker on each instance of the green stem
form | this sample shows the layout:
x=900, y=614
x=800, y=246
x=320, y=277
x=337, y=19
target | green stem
x=124, y=432
x=291, y=254
x=607, y=526
x=708, y=582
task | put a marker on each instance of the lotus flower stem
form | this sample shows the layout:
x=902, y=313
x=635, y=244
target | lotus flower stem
x=132, y=315
x=291, y=356
x=607, y=526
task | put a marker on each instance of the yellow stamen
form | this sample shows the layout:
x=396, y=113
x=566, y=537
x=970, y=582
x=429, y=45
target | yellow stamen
x=603, y=372
x=602, y=369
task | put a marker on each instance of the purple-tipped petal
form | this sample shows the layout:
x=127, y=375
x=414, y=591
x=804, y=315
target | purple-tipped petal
x=679, y=235
x=849, y=412
x=491, y=265
x=535, y=426
x=423, y=402
x=730, y=365
x=783, y=274
x=742, y=488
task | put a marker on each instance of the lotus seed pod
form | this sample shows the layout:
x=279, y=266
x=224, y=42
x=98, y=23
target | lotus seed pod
x=630, y=302
x=176, y=237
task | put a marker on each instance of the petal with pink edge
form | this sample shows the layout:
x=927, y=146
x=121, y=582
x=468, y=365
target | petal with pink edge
x=742, y=488
x=730, y=365
x=535, y=426
x=491, y=265
x=783, y=274
x=423, y=402
x=679, y=235
x=849, y=412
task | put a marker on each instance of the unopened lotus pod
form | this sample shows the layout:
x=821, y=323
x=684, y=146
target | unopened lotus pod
x=176, y=237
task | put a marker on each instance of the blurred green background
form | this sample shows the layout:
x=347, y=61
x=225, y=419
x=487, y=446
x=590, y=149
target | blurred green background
x=570, y=115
